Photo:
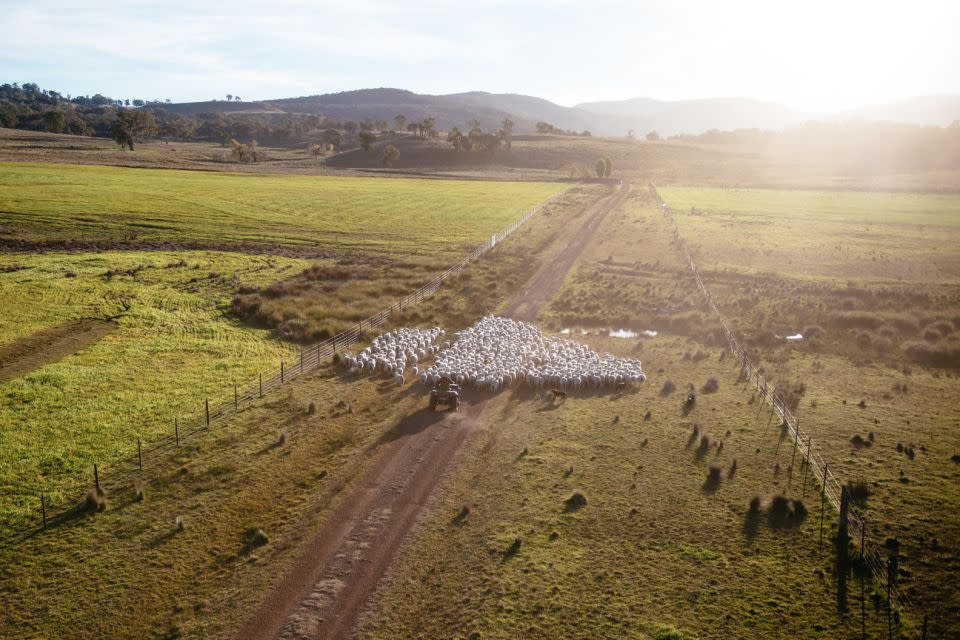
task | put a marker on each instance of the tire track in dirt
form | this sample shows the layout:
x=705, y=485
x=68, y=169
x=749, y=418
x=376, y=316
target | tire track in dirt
x=324, y=593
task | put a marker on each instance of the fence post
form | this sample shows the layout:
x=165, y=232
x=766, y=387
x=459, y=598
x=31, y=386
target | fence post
x=43, y=513
x=301, y=360
x=96, y=478
x=261, y=383
x=281, y=372
x=206, y=404
x=139, y=455
x=823, y=496
x=806, y=467
x=176, y=430
x=236, y=400
x=924, y=637
x=796, y=443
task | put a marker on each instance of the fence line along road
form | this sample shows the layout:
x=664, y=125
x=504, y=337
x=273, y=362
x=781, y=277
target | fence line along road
x=803, y=447
x=310, y=358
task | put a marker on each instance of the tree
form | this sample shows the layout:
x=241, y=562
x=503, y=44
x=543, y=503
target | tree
x=350, y=126
x=429, y=127
x=456, y=138
x=390, y=155
x=607, y=167
x=413, y=127
x=398, y=121
x=229, y=97
x=367, y=138
x=54, y=121
x=601, y=168
x=138, y=102
x=653, y=136
x=333, y=138
x=316, y=150
x=131, y=126
x=236, y=98
x=507, y=126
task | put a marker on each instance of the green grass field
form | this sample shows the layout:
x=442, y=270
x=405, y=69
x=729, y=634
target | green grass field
x=866, y=236
x=172, y=347
x=103, y=205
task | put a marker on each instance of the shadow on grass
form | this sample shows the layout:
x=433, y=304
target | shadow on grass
x=414, y=423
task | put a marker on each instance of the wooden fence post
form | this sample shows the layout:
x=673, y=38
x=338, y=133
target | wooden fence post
x=796, y=443
x=236, y=400
x=281, y=372
x=206, y=404
x=176, y=431
x=96, y=478
x=806, y=467
x=43, y=510
x=139, y=455
x=924, y=637
x=823, y=496
x=301, y=360
x=261, y=384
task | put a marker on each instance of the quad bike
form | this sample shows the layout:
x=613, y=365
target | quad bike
x=445, y=392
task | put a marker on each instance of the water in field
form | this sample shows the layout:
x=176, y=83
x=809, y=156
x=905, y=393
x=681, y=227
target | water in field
x=622, y=333
x=796, y=336
x=611, y=333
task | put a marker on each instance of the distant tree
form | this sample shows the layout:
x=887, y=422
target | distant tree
x=333, y=138
x=456, y=138
x=429, y=127
x=474, y=124
x=8, y=115
x=390, y=155
x=507, y=125
x=236, y=98
x=398, y=121
x=54, y=121
x=413, y=127
x=138, y=102
x=316, y=150
x=127, y=102
x=366, y=124
x=132, y=125
x=545, y=127
x=229, y=97
x=367, y=138
x=350, y=126
x=382, y=125
x=631, y=135
x=607, y=167
x=601, y=168
x=653, y=136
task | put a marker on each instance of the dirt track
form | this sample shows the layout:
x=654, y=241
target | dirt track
x=323, y=595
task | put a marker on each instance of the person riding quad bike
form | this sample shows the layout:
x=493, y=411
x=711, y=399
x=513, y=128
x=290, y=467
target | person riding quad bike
x=445, y=392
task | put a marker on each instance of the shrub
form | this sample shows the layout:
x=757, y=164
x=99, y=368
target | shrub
x=733, y=469
x=755, y=505
x=668, y=633
x=710, y=386
x=668, y=388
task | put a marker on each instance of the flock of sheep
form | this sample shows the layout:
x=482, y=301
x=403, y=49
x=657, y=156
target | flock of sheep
x=494, y=354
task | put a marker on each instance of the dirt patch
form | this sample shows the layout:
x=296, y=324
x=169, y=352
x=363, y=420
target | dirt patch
x=39, y=349
x=323, y=595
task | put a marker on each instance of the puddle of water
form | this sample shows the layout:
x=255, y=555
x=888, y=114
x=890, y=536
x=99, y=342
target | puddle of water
x=649, y=333
x=798, y=336
x=612, y=333
x=622, y=333
x=565, y=332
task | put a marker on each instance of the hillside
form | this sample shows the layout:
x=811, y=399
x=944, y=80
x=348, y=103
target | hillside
x=600, y=118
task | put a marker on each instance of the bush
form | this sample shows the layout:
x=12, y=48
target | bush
x=710, y=386
x=859, y=442
x=253, y=538
x=668, y=388
x=668, y=633
x=712, y=483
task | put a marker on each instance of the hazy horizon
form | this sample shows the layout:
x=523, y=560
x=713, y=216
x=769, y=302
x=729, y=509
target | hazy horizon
x=823, y=58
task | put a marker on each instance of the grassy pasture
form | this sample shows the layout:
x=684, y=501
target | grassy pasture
x=840, y=235
x=869, y=332
x=170, y=345
x=157, y=582
x=104, y=205
x=655, y=548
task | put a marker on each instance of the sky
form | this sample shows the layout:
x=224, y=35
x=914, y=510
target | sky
x=818, y=55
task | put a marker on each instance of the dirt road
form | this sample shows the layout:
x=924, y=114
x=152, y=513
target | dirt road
x=322, y=596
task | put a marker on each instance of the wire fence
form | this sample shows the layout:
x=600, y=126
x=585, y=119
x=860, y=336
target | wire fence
x=813, y=461
x=310, y=358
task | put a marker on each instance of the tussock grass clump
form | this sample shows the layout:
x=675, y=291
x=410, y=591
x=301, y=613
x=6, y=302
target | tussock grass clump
x=955, y=458
x=253, y=538
x=311, y=408
x=178, y=524
x=859, y=442
x=576, y=501
x=668, y=388
x=859, y=491
x=710, y=386
x=94, y=501
x=784, y=513
x=732, y=471
x=714, y=474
